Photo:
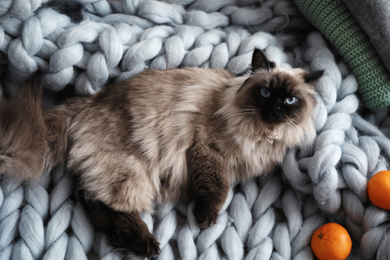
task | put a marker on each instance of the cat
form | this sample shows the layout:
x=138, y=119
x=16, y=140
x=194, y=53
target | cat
x=161, y=136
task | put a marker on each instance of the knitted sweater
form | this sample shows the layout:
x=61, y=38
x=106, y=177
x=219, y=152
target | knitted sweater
x=335, y=21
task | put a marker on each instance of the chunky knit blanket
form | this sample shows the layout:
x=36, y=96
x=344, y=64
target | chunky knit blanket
x=85, y=44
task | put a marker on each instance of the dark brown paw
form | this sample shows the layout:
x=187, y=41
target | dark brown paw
x=144, y=244
x=205, y=217
x=152, y=247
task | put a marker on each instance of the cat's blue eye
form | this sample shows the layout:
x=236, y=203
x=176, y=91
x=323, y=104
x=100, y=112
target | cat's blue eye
x=291, y=100
x=265, y=92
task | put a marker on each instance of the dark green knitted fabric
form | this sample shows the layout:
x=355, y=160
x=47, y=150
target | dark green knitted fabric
x=335, y=22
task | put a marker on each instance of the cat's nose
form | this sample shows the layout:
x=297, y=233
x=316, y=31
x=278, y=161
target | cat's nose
x=276, y=113
x=278, y=108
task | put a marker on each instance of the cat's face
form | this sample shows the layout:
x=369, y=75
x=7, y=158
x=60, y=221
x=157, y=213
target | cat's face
x=277, y=98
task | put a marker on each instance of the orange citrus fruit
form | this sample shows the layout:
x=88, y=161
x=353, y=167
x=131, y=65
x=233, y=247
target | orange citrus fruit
x=331, y=242
x=378, y=188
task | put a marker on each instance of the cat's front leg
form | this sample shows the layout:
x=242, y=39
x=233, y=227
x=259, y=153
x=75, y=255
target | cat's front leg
x=208, y=182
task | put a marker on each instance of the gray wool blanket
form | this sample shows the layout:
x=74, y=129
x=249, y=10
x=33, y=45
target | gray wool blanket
x=83, y=44
x=374, y=18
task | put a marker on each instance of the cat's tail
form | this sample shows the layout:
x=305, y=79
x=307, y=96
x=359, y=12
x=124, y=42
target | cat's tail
x=32, y=141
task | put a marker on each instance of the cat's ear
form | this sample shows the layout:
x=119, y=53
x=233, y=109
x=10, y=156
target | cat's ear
x=260, y=62
x=313, y=77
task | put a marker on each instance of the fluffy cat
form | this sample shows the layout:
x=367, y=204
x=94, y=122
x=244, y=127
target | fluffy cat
x=161, y=136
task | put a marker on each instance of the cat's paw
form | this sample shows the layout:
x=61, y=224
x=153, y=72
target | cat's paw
x=205, y=217
x=150, y=247
x=141, y=244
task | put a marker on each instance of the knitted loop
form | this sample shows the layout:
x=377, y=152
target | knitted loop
x=301, y=241
x=186, y=244
x=58, y=223
x=1, y=197
x=261, y=229
x=58, y=249
x=383, y=250
x=83, y=230
x=167, y=227
x=33, y=235
x=267, y=196
x=61, y=193
x=241, y=216
x=17, y=54
x=281, y=240
x=250, y=16
x=19, y=8
x=207, y=237
x=291, y=209
x=355, y=169
x=262, y=251
x=371, y=240
x=52, y=22
x=211, y=253
x=355, y=213
x=104, y=249
x=293, y=172
x=160, y=13
x=372, y=151
x=75, y=249
x=205, y=20
x=232, y=244
x=99, y=7
x=174, y=49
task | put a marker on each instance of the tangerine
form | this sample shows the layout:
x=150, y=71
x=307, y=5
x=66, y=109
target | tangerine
x=378, y=189
x=331, y=242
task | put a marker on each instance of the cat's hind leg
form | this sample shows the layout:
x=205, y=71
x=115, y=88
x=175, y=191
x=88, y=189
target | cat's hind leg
x=125, y=231
x=115, y=188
